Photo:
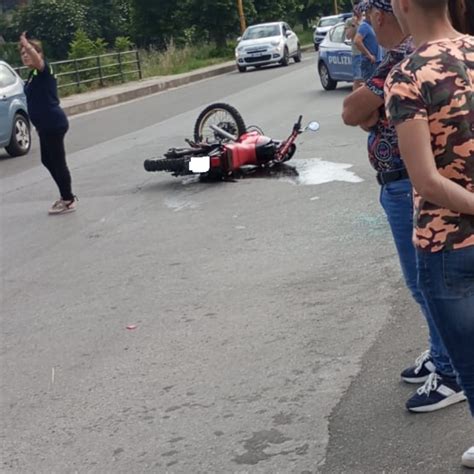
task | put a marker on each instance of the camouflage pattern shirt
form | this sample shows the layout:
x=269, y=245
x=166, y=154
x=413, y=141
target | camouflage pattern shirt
x=435, y=84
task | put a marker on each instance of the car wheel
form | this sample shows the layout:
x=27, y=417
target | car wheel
x=241, y=68
x=20, y=142
x=286, y=58
x=326, y=81
x=297, y=56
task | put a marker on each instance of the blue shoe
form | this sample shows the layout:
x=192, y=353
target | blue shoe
x=422, y=369
x=436, y=393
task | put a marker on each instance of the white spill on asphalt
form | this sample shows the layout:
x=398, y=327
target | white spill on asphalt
x=308, y=172
x=317, y=171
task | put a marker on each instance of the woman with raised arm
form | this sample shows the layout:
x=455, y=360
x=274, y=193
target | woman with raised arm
x=49, y=120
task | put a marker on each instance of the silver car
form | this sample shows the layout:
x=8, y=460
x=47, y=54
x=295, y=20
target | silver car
x=267, y=43
x=15, y=130
x=325, y=24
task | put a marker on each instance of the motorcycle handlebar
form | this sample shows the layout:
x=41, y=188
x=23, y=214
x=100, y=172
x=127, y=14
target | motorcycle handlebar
x=223, y=133
x=297, y=126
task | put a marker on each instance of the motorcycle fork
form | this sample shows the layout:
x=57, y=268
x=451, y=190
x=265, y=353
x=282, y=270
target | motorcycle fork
x=281, y=153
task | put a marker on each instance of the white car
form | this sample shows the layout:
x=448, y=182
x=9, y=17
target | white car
x=267, y=43
x=325, y=24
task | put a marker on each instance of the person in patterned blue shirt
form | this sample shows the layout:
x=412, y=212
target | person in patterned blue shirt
x=365, y=108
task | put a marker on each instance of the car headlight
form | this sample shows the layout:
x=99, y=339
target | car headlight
x=239, y=49
x=276, y=43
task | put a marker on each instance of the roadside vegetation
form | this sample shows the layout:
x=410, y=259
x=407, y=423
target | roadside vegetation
x=172, y=36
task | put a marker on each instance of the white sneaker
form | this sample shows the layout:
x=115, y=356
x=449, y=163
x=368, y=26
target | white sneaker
x=63, y=207
x=468, y=458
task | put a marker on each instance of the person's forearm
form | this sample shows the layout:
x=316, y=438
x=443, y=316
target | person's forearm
x=361, y=47
x=36, y=59
x=414, y=139
x=446, y=193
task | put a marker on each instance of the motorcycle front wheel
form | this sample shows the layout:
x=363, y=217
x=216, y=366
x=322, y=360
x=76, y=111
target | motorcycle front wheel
x=224, y=116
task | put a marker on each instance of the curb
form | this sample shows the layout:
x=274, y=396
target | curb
x=138, y=90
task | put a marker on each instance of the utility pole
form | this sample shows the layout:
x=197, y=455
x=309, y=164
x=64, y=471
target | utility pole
x=336, y=9
x=240, y=7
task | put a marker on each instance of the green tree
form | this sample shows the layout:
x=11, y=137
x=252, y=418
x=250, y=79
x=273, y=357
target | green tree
x=218, y=20
x=278, y=10
x=155, y=22
x=107, y=18
x=52, y=21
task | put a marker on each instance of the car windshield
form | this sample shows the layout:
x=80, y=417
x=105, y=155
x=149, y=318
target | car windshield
x=264, y=31
x=328, y=21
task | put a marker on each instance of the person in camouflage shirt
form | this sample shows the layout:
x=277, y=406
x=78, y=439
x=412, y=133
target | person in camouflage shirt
x=365, y=107
x=429, y=98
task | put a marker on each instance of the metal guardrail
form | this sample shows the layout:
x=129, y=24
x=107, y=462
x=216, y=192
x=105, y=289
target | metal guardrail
x=94, y=69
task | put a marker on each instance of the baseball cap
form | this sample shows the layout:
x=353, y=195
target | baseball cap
x=384, y=5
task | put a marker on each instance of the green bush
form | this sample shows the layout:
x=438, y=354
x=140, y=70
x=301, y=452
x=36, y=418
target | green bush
x=51, y=21
x=122, y=43
x=9, y=53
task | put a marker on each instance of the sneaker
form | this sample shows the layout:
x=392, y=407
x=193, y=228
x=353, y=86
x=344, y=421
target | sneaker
x=63, y=207
x=436, y=393
x=422, y=369
x=468, y=458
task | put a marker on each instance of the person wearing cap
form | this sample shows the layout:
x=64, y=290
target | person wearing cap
x=429, y=98
x=365, y=107
x=366, y=41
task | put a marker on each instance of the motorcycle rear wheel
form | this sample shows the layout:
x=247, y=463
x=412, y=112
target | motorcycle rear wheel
x=173, y=165
x=224, y=116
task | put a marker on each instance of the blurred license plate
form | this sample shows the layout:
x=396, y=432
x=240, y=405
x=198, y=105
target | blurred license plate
x=200, y=164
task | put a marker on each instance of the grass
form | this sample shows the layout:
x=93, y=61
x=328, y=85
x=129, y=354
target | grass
x=305, y=37
x=173, y=60
x=178, y=60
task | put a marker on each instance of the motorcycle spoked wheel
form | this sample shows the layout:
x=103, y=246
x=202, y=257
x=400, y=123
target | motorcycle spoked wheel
x=224, y=116
x=255, y=128
x=172, y=165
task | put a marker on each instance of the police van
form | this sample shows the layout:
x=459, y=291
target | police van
x=335, y=58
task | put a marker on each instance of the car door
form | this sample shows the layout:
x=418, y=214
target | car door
x=8, y=82
x=292, y=39
x=340, y=54
x=331, y=44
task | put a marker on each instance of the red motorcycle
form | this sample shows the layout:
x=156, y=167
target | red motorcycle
x=223, y=144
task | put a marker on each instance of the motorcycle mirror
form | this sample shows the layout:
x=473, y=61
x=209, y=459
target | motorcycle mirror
x=313, y=126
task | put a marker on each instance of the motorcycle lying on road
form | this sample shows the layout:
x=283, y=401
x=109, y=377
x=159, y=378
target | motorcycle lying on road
x=223, y=145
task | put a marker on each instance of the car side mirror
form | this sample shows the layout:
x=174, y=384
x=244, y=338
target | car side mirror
x=288, y=34
x=239, y=38
x=348, y=42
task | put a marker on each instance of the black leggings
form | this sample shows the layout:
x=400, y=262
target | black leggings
x=53, y=157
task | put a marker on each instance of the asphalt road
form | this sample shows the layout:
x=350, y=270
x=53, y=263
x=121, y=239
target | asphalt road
x=270, y=318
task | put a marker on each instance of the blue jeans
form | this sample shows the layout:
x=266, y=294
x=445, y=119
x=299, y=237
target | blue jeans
x=367, y=68
x=396, y=199
x=446, y=280
x=356, y=67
